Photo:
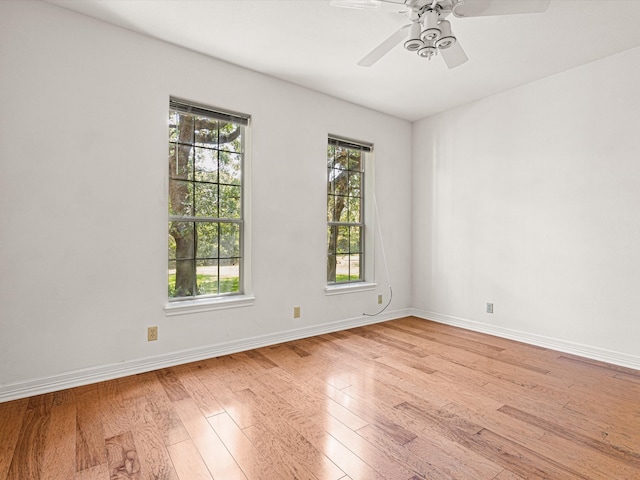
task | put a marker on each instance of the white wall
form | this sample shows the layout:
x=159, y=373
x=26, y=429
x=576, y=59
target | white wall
x=83, y=196
x=530, y=199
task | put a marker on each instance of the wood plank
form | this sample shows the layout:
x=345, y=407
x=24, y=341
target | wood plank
x=379, y=460
x=203, y=398
x=113, y=409
x=187, y=461
x=423, y=464
x=348, y=461
x=11, y=416
x=275, y=422
x=99, y=472
x=90, y=446
x=520, y=459
x=508, y=475
x=59, y=445
x=448, y=456
x=162, y=413
x=216, y=457
x=261, y=359
x=253, y=462
x=29, y=450
x=619, y=454
x=295, y=463
x=122, y=457
x=242, y=415
x=507, y=453
x=155, y=462
x=171, y=384
x=312, y=432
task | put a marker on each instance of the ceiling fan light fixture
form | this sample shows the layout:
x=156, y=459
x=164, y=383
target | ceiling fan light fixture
x=428, y=51
x=415, y=42
x=447, y=38
x=431, y=31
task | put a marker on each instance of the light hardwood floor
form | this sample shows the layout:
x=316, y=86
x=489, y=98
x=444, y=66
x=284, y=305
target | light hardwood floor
x=406, y=399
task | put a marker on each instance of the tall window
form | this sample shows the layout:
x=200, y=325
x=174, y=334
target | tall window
x=206, y=157
x=345, y=210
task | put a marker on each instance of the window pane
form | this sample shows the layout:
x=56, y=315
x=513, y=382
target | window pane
x=180, y=198
x=173, y=125
x=230, y=168
x=180, y=162
x=354, y=267
x=332, y=238
x=172, y=245
x=206, y=200
x=354, y=160
x=341, y=213
x=330, y=181
x=206, y=165
x=331, y=151
x=341, y=159
x=207, y=240
x=343, y=240
x=331, y=208
x=206, y=131
x=354, y=210
x=230, y=275
x=337, y=181
x=230, y=201
x=355, y=184
x=355, y=234
x=182, y=282
x=183, y=239
x=180, y=127
x=172, y=278
x=342, y=268
x=230, y=137
x=229, y=240
x=331, y=268
x=207, y=277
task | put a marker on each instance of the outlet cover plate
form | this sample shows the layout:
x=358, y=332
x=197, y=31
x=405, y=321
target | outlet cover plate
x=152, y=334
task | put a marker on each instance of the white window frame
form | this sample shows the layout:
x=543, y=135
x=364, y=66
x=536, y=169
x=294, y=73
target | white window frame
x=367, y=263
x=203, y=303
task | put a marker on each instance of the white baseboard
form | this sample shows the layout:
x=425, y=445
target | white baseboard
x=87, y=376
x=587, y=351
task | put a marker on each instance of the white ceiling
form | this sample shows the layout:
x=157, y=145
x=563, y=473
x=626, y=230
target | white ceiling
x=313, y=44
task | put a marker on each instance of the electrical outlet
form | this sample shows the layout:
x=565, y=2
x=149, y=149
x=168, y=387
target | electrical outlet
x=379, y=299
x=296, y=312
x=489, y=307
x=152, y=334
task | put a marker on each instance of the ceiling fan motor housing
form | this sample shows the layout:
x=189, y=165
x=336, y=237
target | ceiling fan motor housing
x=431, y=32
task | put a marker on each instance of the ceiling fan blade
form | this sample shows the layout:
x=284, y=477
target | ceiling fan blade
x=483, y=8
x=384, y=48
x=357, y=4
x=390, y=5
x=454, y=56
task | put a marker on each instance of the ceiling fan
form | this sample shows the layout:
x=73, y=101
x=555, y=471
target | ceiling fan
x=430, y=32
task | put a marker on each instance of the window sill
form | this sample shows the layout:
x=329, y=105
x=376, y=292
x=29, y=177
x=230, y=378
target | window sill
x=349, y=288
x=207, y=304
